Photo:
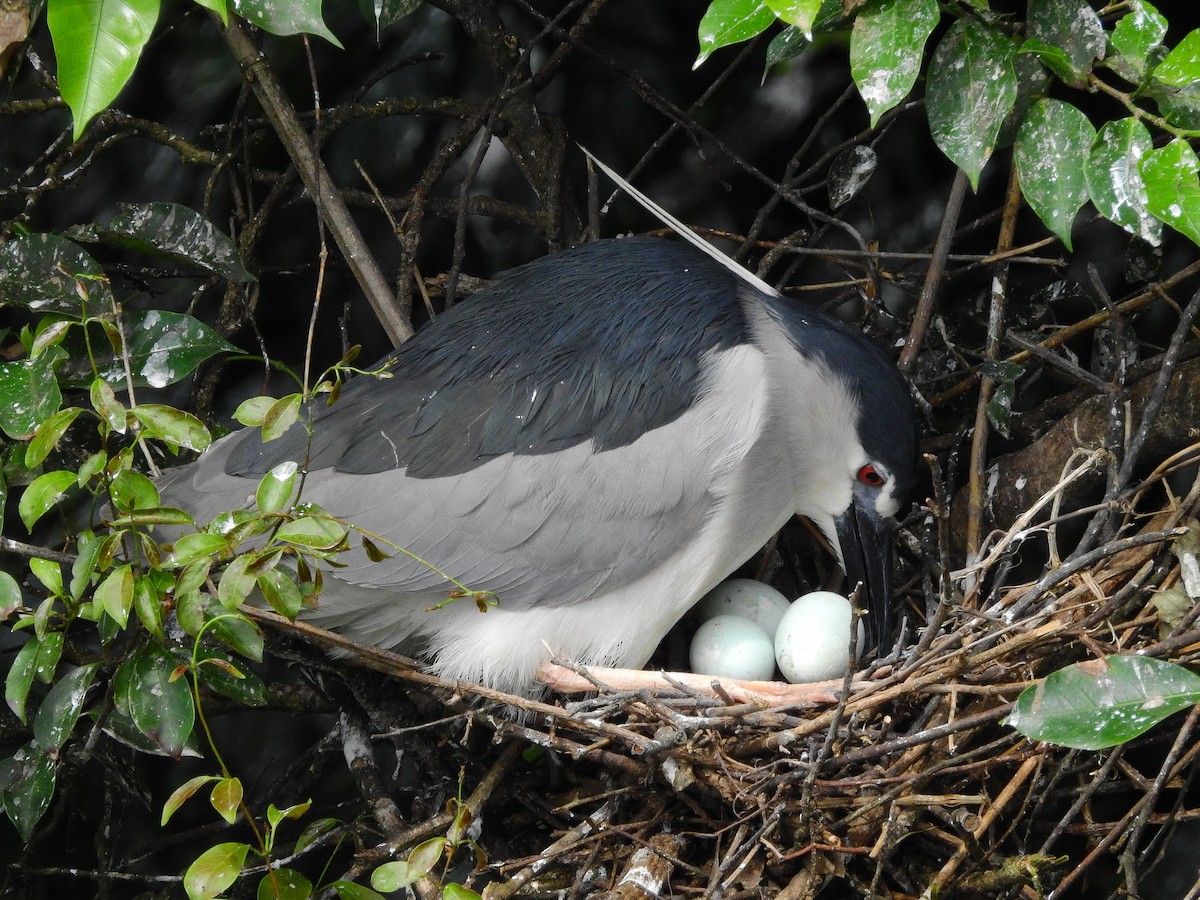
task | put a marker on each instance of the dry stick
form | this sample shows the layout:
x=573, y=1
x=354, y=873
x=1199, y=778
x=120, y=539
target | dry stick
x=316, y=179
x=1067, y=332
x=947, y=872
x=1129, y=854
x=979, y=439
x=933, y=275
x=1118, y=829
x=583, y=831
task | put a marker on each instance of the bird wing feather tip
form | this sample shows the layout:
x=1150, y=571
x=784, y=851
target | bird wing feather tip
x=680, y=228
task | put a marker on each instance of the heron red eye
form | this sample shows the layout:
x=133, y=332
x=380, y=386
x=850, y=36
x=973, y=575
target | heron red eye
x=868, y=476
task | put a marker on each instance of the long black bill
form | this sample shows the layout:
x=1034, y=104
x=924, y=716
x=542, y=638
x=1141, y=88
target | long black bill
x=865, y=538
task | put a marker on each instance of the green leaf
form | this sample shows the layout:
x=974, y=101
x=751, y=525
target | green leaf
x=29, y=788
x=236, y=582
x=182, y=794
x=1133, y=39
x=1114, y=179
x=382, y=13
x=276, y=488
x=314, y=831
x=155, y=515
x=799, y=13
x=161, y=708
x=19, y=679
x=1051, y=151
x=788, y=44
x=284, y=884
x=294, y=17
x=214, y=870
x=887, y=44
x=172, y=426
x=115, y=594
x=348, y=890
x=218, y=673
x=281, y=592
x=454, y=891
x=275, y=815
x=41, y=496
x=191, y=548
x=163, y=348
x=254, y=410
x=318, y=532
x=1181, y=68
x=1102, y=703
x=97, y=44
x=49, y=651
x=172, y=232
x=10, y=595
x=29, y=394
x=105, y=402
x=46, y=273
x=148, y=602
x=972, y=86
x=47, y=571
x=280, y=416
x=226, y=797
x=1073, y=27
x=56, y=717
x=239, y=634
x=727, y=22
x=400, y=874
x=1172, y=190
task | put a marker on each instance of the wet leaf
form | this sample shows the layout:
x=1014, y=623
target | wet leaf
x=161, y=708
x=849, y=173
x=254, y=410
x=294, y=17
x=887, y=45
x=29, y=394
x=400, y=874
x=276, y=488
x=19, y=678
x=182, y=794
x=219, y=673
x=318, y=532
x=10, y=595
x=1114, y=179
x=236, y=582
x=115, y=594
x=284, y=884
x=1181, y=67
x=382, y=13
x=42, y=495
x=172, y=232
x=275, y=815
x=1102, y=703
x=29, y=787
x=226, y=797
x=214, y=870
x=972, y=86
x=38, y=272
x=172, y=426
x=47, y=571
x=314, y=831
x=348, y=890
x=454, y=891
x=1172, y=189
x=191, y=548
x=240, y=635
x=132, y=490
x=59, y=711
x=1072, y=27
x=280, y=416
x=727, y=22
x=1051, y=150
x=97, y=46
x=163, y=347
x=801, y=14
x=281, y=592
x=1135, y=36
x=787, y=45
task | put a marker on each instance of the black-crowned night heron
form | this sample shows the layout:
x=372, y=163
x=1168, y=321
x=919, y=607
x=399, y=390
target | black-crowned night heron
x=598, y=437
